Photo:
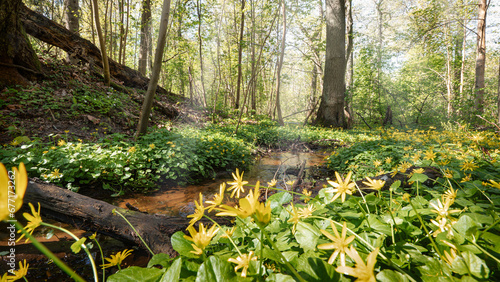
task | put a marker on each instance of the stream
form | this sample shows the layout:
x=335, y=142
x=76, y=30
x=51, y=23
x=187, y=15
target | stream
x=174, y=201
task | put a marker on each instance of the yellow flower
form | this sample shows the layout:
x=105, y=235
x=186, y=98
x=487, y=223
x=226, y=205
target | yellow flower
x=7, y=207
x=448, y=173
x=418, y=170
x=218, y=198
x=307, y=194
x=466, y=178
x=55, y=173
x=263, y=213
x=228, y=233
x=247, y=207
x=202, y=238
x=307, y=211
x=117, y=259
x=272, y=183
x=33, y=221
x=132, y=149
x=469, y=165
x=14, y=142
x=339, y=243
x=198, y=212
x=406, y=197
x=152, y=146
x=45, y=152
x=237, y=185
x=494, y=184
x=61, y=142
x=364, y=272
x=343, y=187
x=450, y=195
x=295, y=217
x=243, y=261
x=443, y=225
x=290, y=182
x=430, y=155
x=375, y=184
x=377, y=163
x=18, y=274
x=388, y=160
x=53, y=148
x=442, y=209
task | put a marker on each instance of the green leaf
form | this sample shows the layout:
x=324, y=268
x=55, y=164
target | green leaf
x=379, y=226
x=306, y=235
x=476, y=265
x=418, y=177
x=278, y=277
x=215, y=269
x=182, y=245
x=160, y=259
x=76, y=247
x=390, y=276
x=135, y=273
x=173, y=274
x=278, y=199
x=316, y=269
x=395, y=185
x=466, y=226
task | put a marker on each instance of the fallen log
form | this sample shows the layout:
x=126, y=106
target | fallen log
x=97, y=216
x=55, y=34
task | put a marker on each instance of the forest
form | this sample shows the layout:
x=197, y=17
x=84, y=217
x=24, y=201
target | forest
x=250, y=140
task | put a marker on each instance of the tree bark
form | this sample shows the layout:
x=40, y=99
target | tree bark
x=148, y=101
x=94, y=215
x=145, y=36
x=16, y=53
x=331, y=109
x=480, y=57
x=102, y=44
x=50, y=32
x=72, y=21
x=280, y=66
x=240, y=55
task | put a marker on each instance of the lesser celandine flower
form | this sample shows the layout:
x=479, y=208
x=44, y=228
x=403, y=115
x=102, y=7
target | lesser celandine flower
x=307, y=194
x=442, y=209
x=494, y=184
x=339, y=243
x=295, y=217
x=375, y=184
x=198, y=212
x=362, y=271
x=218, y=198
x=202, y=238
x=20, y=273
x=237, y=185
x=33, y=221
x=7, y=190
x=469, y=165
x=61, y=142
x=430, y=155
x=247, y=206
x=272, y=183
x=117, y=259
x=243, y=262
x=342, y=187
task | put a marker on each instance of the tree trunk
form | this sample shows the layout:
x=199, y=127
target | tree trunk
x=331, y=109
x=72, y=22
x=498, y=94
x=145, y=45
x=18, y=61
x=240, y=55
x=349, y=65
x=50, y=32
x=200, y=41
x=481, y=57
x=94, y=215
x=280, y=65
x=148, y=101
x=102, y=43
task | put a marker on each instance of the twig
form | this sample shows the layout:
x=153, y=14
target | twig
x=364, y=120
x=488, y=121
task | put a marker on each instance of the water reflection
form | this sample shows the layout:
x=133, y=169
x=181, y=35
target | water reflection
x=178, y=201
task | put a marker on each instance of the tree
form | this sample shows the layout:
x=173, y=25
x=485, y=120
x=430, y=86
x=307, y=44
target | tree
x=18, y=61
x=145, y=45
x=331, y=108
x=148, y=100
x=280, y=65
x=480, y=56
x=72, y=21
x=102, y=44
